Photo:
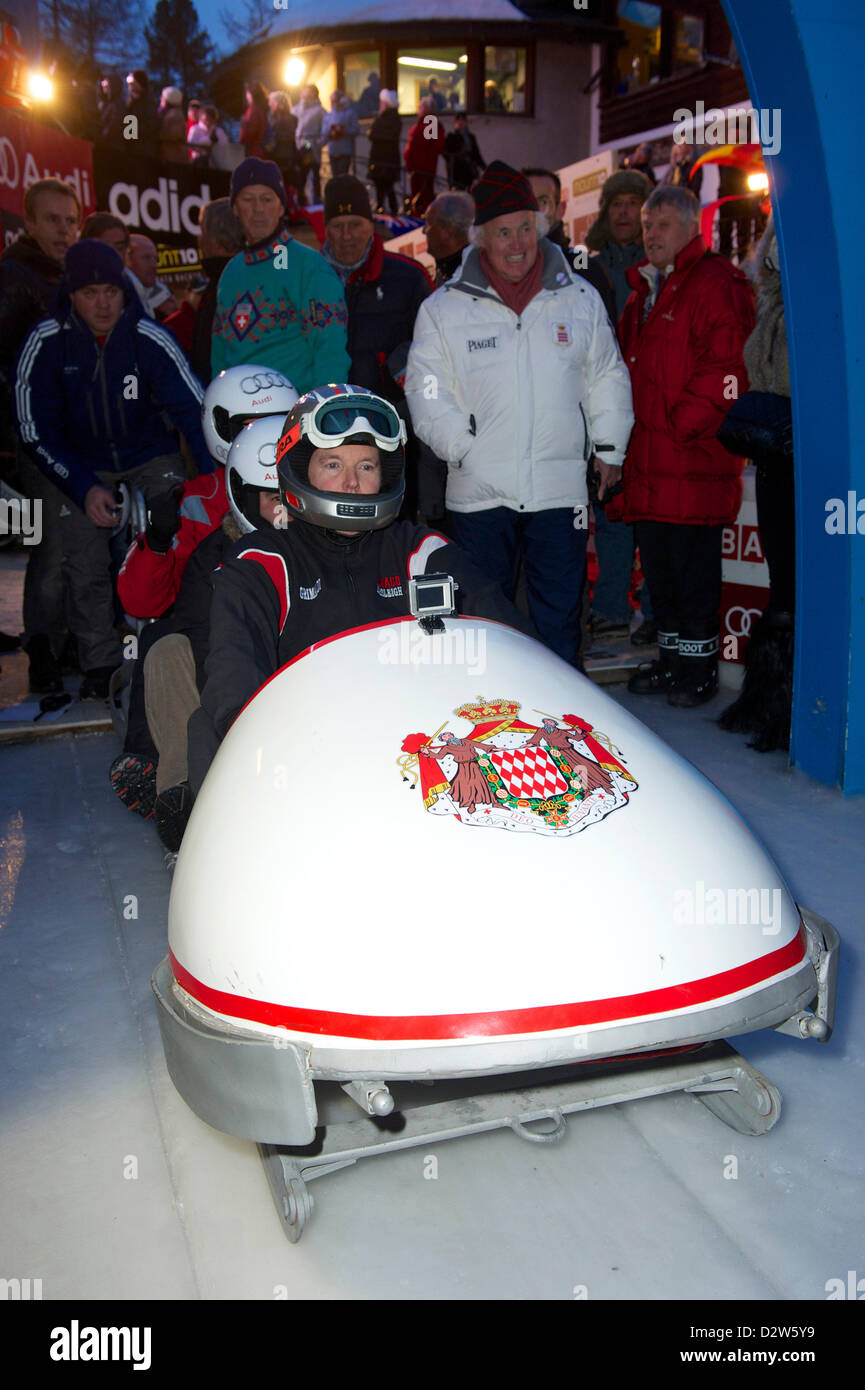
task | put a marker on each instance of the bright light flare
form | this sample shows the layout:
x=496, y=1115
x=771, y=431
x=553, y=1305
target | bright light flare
x=294, y=71
x=40, y=87
x=758, y=183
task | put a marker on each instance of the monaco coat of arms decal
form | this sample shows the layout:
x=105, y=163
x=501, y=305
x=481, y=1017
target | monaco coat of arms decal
x=555, y=778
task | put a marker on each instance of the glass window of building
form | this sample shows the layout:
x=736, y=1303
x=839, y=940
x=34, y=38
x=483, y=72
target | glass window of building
x=689, y=43
x=439, y=73
x=505, y=80
x=361, y=81
x=639, y=58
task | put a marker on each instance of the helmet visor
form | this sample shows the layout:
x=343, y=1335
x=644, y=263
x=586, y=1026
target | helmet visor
x=334, y=421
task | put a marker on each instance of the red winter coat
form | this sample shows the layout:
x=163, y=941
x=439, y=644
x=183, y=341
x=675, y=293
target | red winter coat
x=148, y=583
x=681, y=362
x=421, y=154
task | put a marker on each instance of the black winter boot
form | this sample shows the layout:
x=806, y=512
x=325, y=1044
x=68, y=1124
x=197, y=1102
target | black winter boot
x=662, y=676
x=46, y=673
x=699, y=661
x=170, y=814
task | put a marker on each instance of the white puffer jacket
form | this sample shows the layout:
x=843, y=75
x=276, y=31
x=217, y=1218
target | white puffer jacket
x=516, y=407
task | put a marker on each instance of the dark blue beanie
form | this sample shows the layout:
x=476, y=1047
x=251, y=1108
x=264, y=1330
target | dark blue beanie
x=91, y=262
x=257, y=171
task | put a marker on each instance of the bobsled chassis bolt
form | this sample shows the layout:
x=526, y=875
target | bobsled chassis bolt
x=813, y=1027
x=372, y=1096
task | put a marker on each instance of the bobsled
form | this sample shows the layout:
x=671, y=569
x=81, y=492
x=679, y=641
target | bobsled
x=391, y=878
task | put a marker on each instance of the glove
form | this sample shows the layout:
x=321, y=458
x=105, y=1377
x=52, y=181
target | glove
x=163, y=521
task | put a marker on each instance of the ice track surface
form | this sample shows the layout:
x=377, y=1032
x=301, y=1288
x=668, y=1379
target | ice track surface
x=112, y=1188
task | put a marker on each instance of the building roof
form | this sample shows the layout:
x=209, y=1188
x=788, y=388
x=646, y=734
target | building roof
x=311, y=14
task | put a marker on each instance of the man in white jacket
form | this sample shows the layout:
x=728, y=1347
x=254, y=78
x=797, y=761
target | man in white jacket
x=515, y=379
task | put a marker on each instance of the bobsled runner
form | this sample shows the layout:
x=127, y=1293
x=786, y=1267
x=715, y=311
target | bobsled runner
x=390, y=878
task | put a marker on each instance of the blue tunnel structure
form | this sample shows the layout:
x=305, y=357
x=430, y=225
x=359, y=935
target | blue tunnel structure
x=803, y=60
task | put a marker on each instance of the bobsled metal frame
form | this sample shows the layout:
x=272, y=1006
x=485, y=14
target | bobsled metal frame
x=211, y=1065
x=728, y=1085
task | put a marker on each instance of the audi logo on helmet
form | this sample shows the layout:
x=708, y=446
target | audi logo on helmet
x=261, y=381
x=267, y=455
x=740, y=626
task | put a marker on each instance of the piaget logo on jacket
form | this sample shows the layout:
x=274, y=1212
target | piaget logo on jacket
x=479, y=344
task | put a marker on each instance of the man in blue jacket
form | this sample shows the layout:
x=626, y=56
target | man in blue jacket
x=98, y=387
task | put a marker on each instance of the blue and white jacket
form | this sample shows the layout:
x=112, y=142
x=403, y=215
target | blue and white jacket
x=86, y=408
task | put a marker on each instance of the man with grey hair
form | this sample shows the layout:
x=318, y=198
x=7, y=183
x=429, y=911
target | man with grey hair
x=142, y=264
x=447, y=223
x=682, y=332
x=515, y=380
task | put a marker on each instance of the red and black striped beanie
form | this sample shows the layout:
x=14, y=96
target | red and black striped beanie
x=500, y=190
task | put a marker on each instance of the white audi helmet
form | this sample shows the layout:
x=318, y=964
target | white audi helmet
x=240, y=394
x=251, y=469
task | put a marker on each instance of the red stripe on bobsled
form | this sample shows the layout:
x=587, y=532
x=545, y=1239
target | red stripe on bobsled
x=399, y=1028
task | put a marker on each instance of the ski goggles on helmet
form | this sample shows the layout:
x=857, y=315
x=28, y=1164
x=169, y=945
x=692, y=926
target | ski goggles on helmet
x=334, y=421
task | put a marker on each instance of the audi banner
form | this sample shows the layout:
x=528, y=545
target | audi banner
x=29, y=151
x=745, y=575
x=161, y=201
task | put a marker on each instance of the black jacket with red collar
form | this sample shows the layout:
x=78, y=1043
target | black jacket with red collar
x=382, y=298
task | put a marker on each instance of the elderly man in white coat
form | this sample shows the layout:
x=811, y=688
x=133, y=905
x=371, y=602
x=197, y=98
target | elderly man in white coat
x=515, y=379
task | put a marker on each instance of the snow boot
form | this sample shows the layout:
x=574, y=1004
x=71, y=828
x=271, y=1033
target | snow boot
x=662, y=676
x=699, y=662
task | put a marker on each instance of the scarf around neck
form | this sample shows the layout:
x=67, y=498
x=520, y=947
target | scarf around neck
x=516, y=295
x=345, y=271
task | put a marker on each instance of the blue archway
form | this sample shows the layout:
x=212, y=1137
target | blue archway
x=804, y=59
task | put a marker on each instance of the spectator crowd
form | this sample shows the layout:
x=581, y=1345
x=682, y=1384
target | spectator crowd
x=290, y=377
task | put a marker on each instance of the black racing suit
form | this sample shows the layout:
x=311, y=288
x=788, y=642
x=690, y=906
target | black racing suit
x=263, y=617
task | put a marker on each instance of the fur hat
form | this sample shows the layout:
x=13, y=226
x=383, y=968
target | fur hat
x=500, y=190
x=625, y=182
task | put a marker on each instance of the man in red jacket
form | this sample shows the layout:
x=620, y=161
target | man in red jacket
x=682, y=334
x=426, y=141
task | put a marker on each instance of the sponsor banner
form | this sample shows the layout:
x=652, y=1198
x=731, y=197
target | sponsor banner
x=581, y=189
x=413, y=244
x=28, y=152
x=161, y=201
x=744, y=574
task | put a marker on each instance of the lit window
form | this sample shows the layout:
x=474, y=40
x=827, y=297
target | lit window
x=639, y=58
x=439, y=73
x=504, y=80
x=361, y=81
x=688, y=48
